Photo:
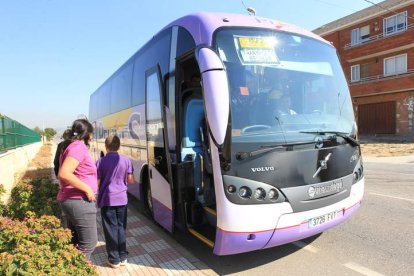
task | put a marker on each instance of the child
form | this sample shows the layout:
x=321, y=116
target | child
x=115, y=172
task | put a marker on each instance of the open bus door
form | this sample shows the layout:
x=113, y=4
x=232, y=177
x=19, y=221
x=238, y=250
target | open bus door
x=202, y=219
x=158, y=191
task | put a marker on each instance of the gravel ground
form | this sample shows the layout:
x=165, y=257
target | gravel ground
x=41, y=164
x=387, y=149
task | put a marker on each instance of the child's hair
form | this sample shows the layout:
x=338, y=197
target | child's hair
x=66, y=134
x=112, y=143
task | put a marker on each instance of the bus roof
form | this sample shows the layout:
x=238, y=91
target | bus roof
x=203, y=24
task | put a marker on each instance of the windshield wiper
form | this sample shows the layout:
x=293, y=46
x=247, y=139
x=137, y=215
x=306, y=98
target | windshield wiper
x=266, y=148
x=343, y=135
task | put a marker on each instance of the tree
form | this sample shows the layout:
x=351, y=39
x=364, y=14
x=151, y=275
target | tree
x=38, y=130
x=49, y=133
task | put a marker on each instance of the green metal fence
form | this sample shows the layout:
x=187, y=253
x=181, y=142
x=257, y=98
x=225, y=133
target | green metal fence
x=13, y=134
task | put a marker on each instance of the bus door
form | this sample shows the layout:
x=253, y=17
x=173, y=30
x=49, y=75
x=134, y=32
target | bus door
x=159, y=190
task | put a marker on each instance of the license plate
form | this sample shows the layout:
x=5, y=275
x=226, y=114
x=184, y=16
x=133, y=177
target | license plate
x=316, y=221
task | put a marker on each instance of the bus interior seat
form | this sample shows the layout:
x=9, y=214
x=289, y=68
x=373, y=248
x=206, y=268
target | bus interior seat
x=193, y=118
x=192, y=148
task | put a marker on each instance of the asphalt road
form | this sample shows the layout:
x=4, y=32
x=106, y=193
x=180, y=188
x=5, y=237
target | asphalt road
x=377, y=240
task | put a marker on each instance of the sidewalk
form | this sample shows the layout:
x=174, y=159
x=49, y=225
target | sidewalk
x=151, y=251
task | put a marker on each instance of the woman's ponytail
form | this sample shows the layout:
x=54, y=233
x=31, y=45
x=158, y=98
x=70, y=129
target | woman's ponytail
x=81, y=130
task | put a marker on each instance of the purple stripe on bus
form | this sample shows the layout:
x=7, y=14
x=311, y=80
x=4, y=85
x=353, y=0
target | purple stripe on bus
x=162, y=214
x=232, y=243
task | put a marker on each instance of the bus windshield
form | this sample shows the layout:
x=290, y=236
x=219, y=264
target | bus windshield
x=283, y=86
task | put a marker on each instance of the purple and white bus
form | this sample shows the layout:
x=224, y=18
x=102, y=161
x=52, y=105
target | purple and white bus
x=241, y=130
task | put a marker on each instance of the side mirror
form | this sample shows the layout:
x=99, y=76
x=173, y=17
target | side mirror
x=216, y=92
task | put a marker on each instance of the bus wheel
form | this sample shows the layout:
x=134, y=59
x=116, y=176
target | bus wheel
x=148, y=200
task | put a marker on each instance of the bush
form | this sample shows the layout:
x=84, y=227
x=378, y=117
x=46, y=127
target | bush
x=34, y=195
x=39, y=246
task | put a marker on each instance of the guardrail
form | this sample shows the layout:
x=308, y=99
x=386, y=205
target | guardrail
x=13, y=134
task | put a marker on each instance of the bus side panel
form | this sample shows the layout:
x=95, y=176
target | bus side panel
x=136, y=189
x=138, y=150
x=161, y=200
x=129, y=125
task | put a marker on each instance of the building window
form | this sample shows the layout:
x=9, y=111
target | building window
x=365, y=71
x=395, y=65
x=355, y=73
x=359, y=35
x=395, y=23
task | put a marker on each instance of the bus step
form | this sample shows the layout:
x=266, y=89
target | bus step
x=201, y=237
x=210, y=211
x=210, y=215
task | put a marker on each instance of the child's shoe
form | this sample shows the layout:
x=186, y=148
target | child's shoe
x=114, y=265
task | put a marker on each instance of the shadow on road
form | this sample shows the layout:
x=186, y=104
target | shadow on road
x=223, y=265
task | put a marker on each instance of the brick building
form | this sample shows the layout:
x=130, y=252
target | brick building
x=376, y=48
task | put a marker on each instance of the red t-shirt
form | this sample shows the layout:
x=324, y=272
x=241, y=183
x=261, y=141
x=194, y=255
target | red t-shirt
x=86, y=171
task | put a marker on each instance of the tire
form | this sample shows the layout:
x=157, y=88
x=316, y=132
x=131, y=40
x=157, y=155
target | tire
x=149, y=209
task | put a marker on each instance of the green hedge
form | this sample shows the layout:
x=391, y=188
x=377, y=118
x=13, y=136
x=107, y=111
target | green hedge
x=39, y=246
x=34, y=195
x=31, y=239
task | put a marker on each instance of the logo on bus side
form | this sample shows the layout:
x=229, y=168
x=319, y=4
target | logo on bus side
x=263, y=169
x=134, y=124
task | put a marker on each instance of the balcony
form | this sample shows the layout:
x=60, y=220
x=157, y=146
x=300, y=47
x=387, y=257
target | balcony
x=409, y=72
x=378, y=37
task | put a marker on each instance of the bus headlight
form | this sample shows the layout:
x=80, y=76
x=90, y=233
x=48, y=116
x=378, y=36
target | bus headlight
x=245, y=192
x=231, y=189
x=356, y=176
x=358, y=173
x=259, y=194
x=273, y=194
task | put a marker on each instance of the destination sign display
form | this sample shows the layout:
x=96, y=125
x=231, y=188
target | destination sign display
x=256, y=50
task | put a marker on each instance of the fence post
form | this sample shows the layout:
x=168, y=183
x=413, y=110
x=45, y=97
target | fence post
x=3, y=132
x=14, y=134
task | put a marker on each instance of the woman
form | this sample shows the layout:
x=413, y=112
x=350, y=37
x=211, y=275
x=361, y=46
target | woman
x=78, y=186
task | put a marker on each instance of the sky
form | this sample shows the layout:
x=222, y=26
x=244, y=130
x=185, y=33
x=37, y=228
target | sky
x=54, y=54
